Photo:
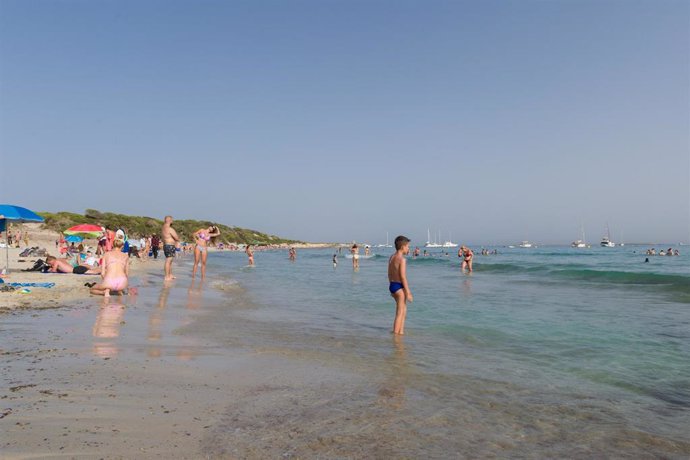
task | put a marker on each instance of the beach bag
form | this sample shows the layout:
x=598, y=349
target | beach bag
x=38, y=267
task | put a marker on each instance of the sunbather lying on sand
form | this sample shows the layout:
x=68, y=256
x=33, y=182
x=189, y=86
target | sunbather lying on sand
x=66, y=266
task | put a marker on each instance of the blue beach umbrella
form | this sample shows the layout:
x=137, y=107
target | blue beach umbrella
x=74, y=239
x=13, y=213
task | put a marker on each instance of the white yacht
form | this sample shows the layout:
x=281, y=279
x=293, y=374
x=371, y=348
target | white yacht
x=526, y=244
x=449, y=243
x=580, y=243
x=606, y=240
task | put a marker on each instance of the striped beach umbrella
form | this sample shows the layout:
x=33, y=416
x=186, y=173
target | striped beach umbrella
x=85, y=231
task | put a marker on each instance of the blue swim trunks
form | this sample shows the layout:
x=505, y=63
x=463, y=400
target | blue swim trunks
x=395, y=287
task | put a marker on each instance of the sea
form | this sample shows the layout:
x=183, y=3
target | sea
x=550, y=352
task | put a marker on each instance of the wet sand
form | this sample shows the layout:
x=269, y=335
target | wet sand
x=114, y=378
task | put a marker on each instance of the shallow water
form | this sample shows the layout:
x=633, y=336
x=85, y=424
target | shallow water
x=542, y=352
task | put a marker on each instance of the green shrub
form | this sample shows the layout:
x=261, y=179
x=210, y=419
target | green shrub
x=138, y=226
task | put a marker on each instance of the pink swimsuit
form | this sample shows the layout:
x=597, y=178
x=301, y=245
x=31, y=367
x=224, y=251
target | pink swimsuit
x=115, y=283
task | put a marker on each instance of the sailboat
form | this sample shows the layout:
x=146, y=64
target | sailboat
x=580, y=243
x=606, y=240
x=387, y=245
x=429, y=244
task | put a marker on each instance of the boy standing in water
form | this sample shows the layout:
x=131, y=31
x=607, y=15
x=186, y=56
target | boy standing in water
x=398, y=287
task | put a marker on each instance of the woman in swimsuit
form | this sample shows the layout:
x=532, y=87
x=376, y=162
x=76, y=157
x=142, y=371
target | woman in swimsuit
x=354, y=250
x=202, y=237
x=250, y=254
x=467, y=256
x=115, y=270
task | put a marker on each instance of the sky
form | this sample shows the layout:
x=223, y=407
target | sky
x=325, y=120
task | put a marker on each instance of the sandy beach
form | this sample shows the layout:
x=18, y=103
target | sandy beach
x=68, y=288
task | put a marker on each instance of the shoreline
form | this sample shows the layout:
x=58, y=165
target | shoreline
x=69, y=288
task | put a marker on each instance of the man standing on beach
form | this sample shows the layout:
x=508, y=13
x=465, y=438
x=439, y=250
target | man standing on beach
x=397, y=283
x=170, y=243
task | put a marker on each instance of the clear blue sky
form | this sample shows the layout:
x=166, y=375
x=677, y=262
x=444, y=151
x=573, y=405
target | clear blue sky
x=339, y=120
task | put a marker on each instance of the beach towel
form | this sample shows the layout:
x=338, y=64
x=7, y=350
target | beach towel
x=43, y=285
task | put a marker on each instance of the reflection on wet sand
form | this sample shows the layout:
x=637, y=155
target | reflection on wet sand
x=195, y=295
x=392, y=392
x=107, y=326
x=157, y=319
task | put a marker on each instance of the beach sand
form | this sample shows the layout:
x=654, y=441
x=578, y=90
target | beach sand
x=118, y=378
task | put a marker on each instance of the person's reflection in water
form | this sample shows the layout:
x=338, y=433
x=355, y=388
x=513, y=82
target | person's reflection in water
x=107, y=327
x=467, y=286
x=392, y=392
x=194, y=295
x=156, y=320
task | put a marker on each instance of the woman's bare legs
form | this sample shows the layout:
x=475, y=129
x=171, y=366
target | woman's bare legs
x=204, y=256
x=99, y=289
x=197, y=256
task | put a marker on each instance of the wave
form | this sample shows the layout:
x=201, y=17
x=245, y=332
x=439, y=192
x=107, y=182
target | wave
x=675, y=283
x=429, y=260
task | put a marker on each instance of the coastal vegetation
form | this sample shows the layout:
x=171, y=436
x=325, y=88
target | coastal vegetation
x=138, y=226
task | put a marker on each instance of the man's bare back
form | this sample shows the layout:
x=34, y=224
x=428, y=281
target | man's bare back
x=395, y=268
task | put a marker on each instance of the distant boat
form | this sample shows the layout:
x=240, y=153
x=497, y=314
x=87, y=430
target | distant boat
x=449, y=243
x=429, y=244
x=526, y=244
x=387, y=245
x=580, y=243
x=606, y=240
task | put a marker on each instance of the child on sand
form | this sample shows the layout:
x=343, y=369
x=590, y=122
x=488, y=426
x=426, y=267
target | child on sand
x=398, y=287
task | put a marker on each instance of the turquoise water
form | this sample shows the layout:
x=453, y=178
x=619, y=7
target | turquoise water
x=592, y=344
